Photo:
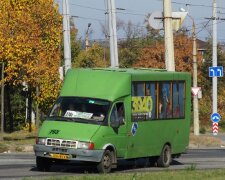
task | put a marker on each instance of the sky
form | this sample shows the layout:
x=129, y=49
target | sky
x=93, y=11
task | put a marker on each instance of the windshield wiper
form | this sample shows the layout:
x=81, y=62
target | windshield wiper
x=62, y=118
x=58, y=118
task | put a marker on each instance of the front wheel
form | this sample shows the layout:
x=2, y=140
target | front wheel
x=105, y=165
x=164, y=159
x=43, y=164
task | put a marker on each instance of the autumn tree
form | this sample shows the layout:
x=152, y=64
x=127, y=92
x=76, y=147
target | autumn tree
x=154, y=56
x=136, y=38
x=30, y=35
x=129, y=47
x=92, y=57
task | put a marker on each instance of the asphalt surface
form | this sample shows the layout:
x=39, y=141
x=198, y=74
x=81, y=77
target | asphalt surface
x=20, y=165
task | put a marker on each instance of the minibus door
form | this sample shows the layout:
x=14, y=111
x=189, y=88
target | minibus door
x=119, y=128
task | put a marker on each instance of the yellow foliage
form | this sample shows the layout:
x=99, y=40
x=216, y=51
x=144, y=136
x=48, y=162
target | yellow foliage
x=26, y=127
x=154, y=56
x=30, y=37
x=92, y=57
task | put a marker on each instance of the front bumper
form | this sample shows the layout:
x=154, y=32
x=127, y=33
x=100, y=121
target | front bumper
x=73, y=154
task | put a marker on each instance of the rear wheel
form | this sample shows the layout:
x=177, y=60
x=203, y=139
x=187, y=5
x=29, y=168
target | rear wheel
x=43, y=164
x=164, y=159
x=105, y=165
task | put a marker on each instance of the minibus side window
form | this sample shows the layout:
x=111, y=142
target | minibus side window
x=117, y=116
x=165, y=100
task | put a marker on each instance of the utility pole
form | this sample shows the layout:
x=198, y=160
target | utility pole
x=195, y=82
x=112, y=33
x=66, y=35
x=214, y=58
x=215, y=71
x=169, y=47
x=86, y=38
x=2, y=100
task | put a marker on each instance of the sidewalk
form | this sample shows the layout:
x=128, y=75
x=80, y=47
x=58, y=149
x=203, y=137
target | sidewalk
x=207, y=140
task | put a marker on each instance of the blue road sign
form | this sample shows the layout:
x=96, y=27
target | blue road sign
x=215, y=117
x=216, y=71
x=134, y=128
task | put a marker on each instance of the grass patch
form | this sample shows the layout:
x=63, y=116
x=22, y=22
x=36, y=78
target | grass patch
x=3, y=147
x=165, y=175
x=204, y=140
x=192, y=167
x=19, y=135
x=18, y=141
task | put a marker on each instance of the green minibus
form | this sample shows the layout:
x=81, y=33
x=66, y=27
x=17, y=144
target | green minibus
x=104, y=115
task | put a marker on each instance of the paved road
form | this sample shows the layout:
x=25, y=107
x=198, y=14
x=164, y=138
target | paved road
x=19, y=165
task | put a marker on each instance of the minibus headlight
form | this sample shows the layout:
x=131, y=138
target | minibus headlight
x=85, y=145
x=40, y=141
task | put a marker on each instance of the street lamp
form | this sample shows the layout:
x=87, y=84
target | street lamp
x=86, y=39
x=195, y=78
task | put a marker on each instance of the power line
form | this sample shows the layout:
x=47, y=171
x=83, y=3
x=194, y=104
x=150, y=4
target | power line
x=187, y=4
x=102, y=20
x=88, y=7
x=196, y=5
x=203, y=27
x=200, y=26
x=118, y=12
x=88, y=18
x=205, y=24
x=135, y=14
x=138, y=14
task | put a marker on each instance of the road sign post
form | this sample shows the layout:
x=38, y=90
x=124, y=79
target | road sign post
x=195, y=90
x=215, y=117
x=216, y=71
x=215, y=129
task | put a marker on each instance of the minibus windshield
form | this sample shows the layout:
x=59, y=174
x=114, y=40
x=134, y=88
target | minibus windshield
x=80, y=109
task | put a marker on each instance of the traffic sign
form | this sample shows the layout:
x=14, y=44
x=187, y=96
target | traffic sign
x=195, y=90
x=215, y=128
x=216, y=71
x=215, y=117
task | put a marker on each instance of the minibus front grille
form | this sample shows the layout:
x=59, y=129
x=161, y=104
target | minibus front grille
x=61, y=143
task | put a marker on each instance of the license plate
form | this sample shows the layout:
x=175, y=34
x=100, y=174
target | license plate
x=60, y=156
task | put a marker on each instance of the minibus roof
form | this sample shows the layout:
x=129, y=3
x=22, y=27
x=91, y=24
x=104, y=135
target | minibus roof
x=110, y=83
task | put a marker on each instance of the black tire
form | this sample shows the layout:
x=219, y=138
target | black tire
x=164, y=159
x=105, y=165
x=43, y=164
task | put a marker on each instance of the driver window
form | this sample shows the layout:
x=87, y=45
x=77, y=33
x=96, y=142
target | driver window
x=118, y=113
